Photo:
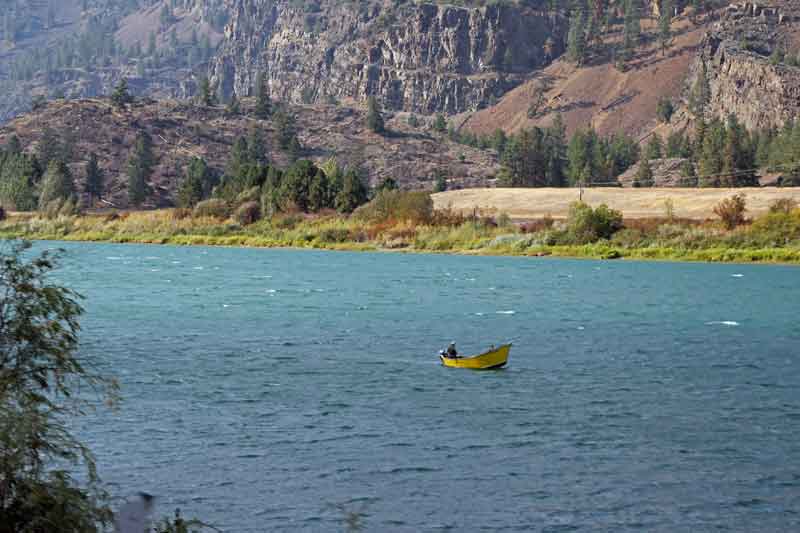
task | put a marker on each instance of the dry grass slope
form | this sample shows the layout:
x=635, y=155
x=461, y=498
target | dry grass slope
x=634, y=203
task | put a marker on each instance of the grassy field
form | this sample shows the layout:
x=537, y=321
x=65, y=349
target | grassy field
x=522, y=204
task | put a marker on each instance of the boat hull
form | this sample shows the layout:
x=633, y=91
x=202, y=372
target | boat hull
x=496, y=358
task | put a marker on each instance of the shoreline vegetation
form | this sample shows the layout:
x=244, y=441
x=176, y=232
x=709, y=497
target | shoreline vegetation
x=407, y=222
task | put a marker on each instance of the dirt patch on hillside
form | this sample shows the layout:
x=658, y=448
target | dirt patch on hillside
x=598, y=94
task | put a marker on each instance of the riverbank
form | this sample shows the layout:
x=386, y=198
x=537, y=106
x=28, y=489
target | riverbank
x=773, y=238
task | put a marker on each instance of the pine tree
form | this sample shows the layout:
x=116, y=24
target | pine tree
x=121, y=97
x=49, y=148
x=352, y=194
x=196, y=184
x=233, y=108
x=374, y=117
x=665, y=24
x=644, y=176
x=576, y=38
x=440, y=124
x=653, y=150
x=631, y=30
x=257, y=147
x=56, y=184
x=263, y=104
x=700, y=93
x=285, y=128
x=140, y=167
x=94, y=179
x=206, y=93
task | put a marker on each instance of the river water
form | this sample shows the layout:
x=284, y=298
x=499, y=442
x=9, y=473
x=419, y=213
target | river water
x=280, y=390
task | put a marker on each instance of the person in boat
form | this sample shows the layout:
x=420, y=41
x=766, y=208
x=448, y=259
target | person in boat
x=451, y=350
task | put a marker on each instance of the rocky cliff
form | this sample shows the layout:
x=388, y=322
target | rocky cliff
x=750, y=60
x=418, y=57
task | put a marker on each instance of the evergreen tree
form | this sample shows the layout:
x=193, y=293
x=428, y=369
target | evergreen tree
x=206, y=93
x=440, y=124
x=263, y=108
x=653, y=150
x=16, y=182
x=94, y=179
x=121, y=97
x=710, y=163
x=700, y=93
x=285, y=128
x=665, y=24
x=196, y=184
x=56, y=184
x=644, y=176
x=631, y=29
x=374, y=117
x=49, y=148
x=576, y=38
x=140, y=167
x=352, y=194
x=233, y=109
x=257, y=147
x=151, y=44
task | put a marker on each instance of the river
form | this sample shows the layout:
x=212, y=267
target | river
x=279, y=390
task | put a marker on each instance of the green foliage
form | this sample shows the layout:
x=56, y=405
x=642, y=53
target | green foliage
x=731, y=211
x=592, y=159
x=535, y=157
x=140, y=166
x=631, y=29
x=665, y=24
x=413, y=121
x=440, y=184
x=285, y=129
x=654, y=149
x=94, y=185
x=41, y=374
x=121, y=97
x=644, y=176
x=56, y=184
x=207, y=96
x=700, y=94
x=263, y=108
x=17, y=176
x=374, y=118
x=414, y=207
x=576, y=38
x=586, y=225
x=664, y=109
x=213, y=208
x=197, y=183
x=440, y=124
x=352, y=194
x=248, y=213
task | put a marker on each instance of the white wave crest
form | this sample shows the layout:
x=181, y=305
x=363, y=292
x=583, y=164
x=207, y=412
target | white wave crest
x=722, y=323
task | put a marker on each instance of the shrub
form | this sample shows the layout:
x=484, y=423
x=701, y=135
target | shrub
x=248, y=213
x=664, y=109
x=783, y=205
x=214, y=208
x=69, y=208
x=2, y=213
x=415, y=207
x=731, y=211
x=334, y=235
x=586, y=225
x=777, y=228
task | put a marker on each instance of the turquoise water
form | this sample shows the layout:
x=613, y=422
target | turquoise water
x=273, y=390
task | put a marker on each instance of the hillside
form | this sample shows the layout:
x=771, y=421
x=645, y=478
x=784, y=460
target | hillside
x=182, y=130
x=598, y=94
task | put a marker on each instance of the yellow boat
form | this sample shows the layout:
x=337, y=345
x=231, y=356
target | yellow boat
x=494, y=358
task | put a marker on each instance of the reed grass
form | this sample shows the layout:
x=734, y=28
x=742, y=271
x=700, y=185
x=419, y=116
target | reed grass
x=653, y=241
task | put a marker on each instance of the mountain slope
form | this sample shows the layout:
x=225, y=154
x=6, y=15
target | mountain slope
x=181, y=130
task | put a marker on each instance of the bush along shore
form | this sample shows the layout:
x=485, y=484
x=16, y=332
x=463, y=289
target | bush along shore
x=406, y=221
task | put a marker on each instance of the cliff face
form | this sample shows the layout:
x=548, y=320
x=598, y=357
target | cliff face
x=423, y=58
x=742, y=78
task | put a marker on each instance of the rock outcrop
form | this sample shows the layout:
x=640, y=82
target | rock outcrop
x=417, y=57
x=744, y=75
